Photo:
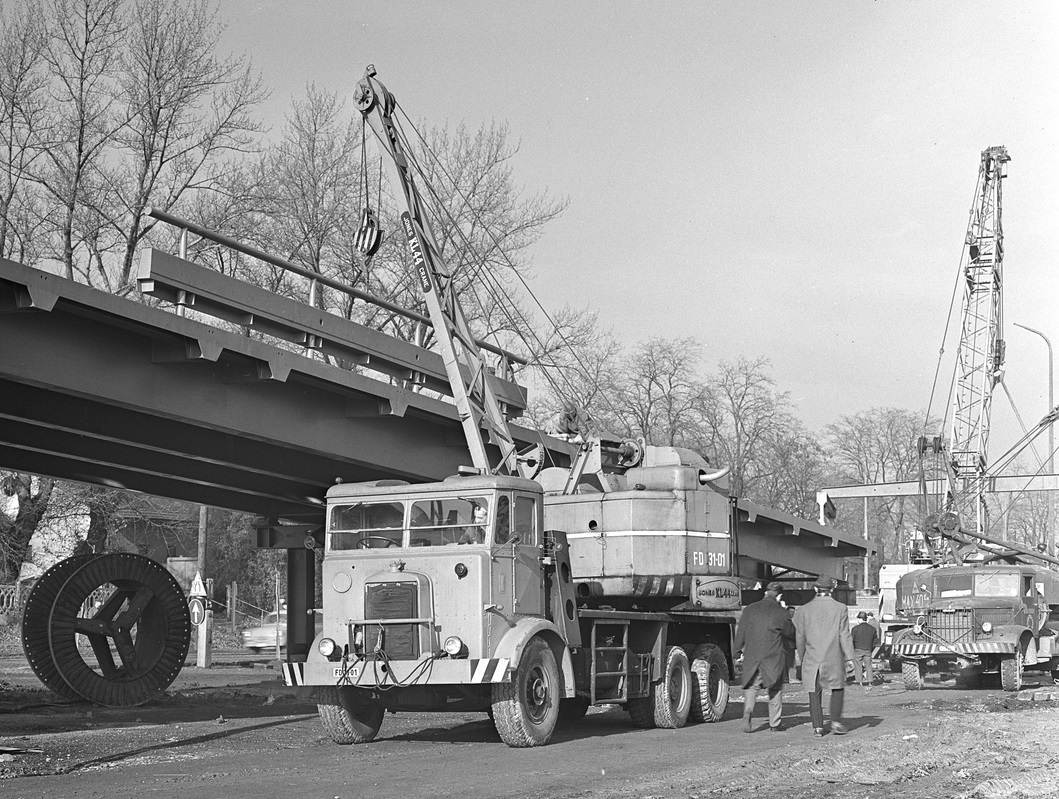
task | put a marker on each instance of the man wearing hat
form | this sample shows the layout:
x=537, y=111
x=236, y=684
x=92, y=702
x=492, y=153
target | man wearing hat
x=763, y=635
x=825, y=645
x=865, y=639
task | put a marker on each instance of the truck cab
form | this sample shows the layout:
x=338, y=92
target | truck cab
x=992, y=617
x=427, y=577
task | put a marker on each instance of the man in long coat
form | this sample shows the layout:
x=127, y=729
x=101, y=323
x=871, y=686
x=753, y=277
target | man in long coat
x=825, y=645
x=764, y=634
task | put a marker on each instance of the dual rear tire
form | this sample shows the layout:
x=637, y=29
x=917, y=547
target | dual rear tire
x=695, y=684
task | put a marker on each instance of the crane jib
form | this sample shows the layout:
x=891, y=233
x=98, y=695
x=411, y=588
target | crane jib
x=415, y=246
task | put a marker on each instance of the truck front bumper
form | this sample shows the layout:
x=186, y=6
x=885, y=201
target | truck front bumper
x=916, y=649
x=397, y=673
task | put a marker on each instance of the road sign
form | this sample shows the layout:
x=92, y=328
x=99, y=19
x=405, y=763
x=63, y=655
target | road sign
x=197, y=608
x=197, y=588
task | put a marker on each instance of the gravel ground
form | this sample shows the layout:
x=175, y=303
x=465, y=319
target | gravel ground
x=235, y=730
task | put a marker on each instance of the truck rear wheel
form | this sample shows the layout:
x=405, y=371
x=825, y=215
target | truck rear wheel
x=672, y=696
x=526, y=709
x=710, y=685
x=347, y=722
x=912, y=674
x=1011, y=672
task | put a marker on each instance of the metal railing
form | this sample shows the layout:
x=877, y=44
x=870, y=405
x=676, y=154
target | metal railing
x=10, y=598
x=314, y=278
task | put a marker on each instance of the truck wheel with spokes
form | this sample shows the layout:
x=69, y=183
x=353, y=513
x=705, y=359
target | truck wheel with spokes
x=912, y=674
x=1011, y=672
x=347, y=721
x=710, y=684
x=526, y=709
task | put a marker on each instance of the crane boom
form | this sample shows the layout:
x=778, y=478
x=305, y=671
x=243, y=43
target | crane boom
x=980, y=357
x=469, y=374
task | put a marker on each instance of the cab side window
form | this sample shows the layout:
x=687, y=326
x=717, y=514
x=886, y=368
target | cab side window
x=503, y=519
x=526, y=520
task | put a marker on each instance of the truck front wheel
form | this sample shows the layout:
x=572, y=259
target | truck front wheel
x=710, y=684
x=1011, y=672
x=526, y=709
x=912, y=674
x=345, y=721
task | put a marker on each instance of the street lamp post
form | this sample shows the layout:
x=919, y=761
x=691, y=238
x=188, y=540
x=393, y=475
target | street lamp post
x=1050, y=532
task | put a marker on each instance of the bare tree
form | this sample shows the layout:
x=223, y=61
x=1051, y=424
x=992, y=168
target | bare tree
x=880, y=446
x=310, y=188
x=791, y=470
x=576, y=366
x=25, y=499
x=22, y=80
x=484, y=222
x=188, y=112
x=660, y=396
x=745, y=415
x=82, y=54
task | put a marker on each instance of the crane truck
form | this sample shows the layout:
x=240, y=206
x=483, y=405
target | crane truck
x=534, y=593
x=983, y=605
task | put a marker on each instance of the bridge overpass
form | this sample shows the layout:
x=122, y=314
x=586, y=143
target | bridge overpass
x=107, y=391
x=104, y=390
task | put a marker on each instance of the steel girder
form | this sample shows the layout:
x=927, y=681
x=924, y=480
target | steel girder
x=103, y=390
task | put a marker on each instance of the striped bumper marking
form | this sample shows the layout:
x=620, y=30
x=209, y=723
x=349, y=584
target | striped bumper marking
x=982, y=647
x=294, y=674
x=489, y=670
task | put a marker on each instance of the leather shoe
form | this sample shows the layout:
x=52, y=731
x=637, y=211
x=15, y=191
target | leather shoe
x=748, y=725
x=818, y=732
x=777, y=728
x=838, y=728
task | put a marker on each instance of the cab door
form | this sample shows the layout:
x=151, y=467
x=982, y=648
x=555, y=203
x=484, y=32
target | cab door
x=517, y=551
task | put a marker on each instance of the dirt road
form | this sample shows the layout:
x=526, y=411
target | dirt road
x=251, y=738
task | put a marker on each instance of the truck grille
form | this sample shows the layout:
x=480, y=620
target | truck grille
x=393, y=601
x=955, y=627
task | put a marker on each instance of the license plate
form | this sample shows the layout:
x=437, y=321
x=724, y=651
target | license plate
x=338, y=672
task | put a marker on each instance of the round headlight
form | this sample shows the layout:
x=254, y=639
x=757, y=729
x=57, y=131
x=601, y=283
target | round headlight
x=326, y=647
x=987, y=627
x=453, y=646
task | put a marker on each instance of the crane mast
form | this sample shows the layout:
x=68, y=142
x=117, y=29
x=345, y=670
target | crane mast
x=980, y=357
x=480, y=411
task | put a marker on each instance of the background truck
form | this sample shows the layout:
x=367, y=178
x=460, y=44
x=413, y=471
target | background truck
x=616, y=580
x=979, y=617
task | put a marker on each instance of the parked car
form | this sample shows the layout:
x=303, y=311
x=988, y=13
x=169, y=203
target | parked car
x=262, y=638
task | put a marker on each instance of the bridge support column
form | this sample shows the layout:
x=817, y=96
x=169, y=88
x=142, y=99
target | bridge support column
x=301, y=591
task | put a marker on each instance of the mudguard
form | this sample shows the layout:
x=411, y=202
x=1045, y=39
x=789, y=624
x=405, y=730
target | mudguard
x=1008, y=634
x=515, y=640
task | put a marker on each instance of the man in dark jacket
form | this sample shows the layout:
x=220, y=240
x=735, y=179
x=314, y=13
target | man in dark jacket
x=865, y=639
x=764, y=633
x=825, y=645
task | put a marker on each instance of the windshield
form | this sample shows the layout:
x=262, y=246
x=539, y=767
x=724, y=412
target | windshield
x=367, y=525
x=952, y=585
x=452, y=520
x=1004, y=584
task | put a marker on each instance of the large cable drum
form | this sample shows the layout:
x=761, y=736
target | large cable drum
x=122, y=652
x=35, y=617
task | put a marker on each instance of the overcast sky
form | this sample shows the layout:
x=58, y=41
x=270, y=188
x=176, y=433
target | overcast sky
x=787, y=179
